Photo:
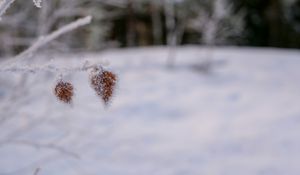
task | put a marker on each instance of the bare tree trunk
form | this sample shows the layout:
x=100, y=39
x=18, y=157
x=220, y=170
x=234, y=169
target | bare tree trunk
x=156, y=24
x=43, y=28
x=273, y=15
x=171, y=32
x=130, y=24
x=210, y=34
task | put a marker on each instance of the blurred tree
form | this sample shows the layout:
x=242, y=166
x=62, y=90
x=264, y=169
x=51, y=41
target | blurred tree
x=19, y=28
x=151, y=22
x=271, y=22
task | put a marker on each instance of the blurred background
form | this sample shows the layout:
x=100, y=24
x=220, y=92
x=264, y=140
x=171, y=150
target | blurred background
x=134, y=23
x=206, y=87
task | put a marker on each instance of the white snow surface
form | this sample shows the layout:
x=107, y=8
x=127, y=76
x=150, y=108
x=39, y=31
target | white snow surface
x=243, y=118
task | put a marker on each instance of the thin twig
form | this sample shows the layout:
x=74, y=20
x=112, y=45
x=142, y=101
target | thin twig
x=40, y=146
x=48, y=68
x=43, y=40
x=4, y=5
x=36, y=172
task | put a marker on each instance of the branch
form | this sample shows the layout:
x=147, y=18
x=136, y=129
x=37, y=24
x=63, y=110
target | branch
x=43, y=40
x=4, y=5
x=36, y=172
x=46, y=39
x=50, y=68
x=41, y=146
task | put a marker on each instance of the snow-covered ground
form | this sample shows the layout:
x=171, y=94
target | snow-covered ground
x=243, y=118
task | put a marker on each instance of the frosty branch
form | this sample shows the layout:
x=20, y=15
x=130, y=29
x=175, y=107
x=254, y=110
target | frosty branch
x=4, y=5
x=43, y=40
x=36, y=172
x=37, y=3
x=102, y=81
x=50, y=146
x=51, y=68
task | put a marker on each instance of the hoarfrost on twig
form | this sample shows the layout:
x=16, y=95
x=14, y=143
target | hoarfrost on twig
x=4, y=5
x=50, y=68
x=43, y=40
x=38, y=3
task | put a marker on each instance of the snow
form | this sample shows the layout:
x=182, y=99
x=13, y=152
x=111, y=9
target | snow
x=241, y=118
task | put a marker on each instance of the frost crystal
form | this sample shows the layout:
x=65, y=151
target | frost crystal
x=38, y=3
